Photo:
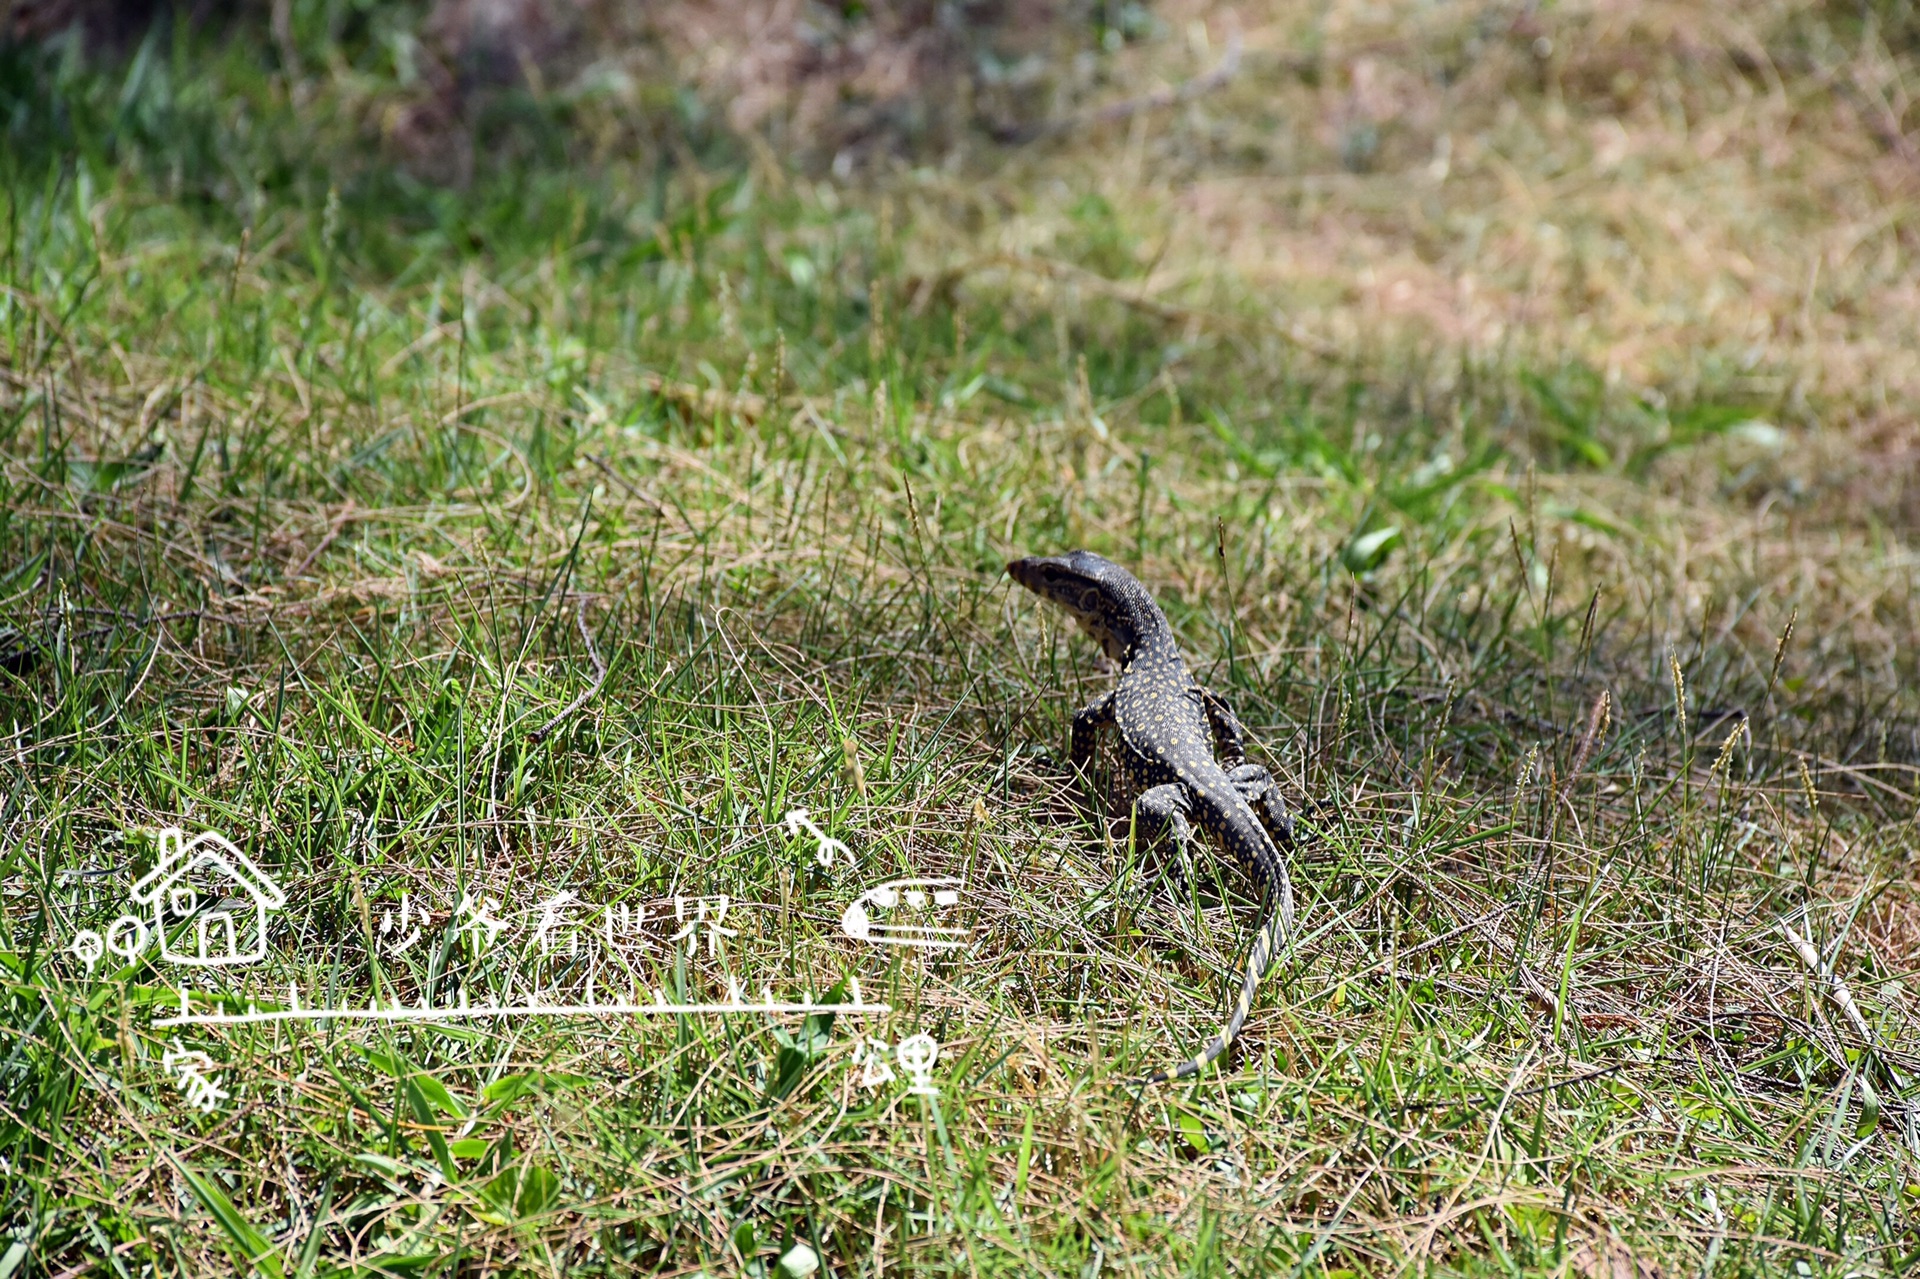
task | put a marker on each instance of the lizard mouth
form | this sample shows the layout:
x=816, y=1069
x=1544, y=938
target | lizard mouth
x=1039, y=574
x=1024, y=572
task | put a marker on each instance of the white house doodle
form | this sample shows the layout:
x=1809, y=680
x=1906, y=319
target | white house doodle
x=207, y=901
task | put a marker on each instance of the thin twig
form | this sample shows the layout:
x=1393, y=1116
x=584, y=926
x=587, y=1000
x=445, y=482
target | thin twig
x=1479, y=921
x=1597, y=720
x=333, y=531
x=1533, y=984
x=1838, y=992
x=647, y=500
x=92, y=1264
x=1115, y=112
x=19, y=653
x=1534, y=1091
x=600, y=667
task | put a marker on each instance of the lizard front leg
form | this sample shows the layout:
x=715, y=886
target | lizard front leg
x=1254, y=783
x=1082, y=737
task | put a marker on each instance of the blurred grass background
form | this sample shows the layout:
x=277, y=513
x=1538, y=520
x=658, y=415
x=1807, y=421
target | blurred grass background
x=1511, y=405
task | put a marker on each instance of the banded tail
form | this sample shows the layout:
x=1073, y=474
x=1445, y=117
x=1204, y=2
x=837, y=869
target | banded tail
x=1273, y=935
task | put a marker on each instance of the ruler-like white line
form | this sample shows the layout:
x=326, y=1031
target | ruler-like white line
x=508, y=1010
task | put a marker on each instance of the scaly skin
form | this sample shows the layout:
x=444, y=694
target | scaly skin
x=1170, y=729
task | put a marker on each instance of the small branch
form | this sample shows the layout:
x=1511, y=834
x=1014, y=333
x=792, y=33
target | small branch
x=19, y=653
x=1539, y=991
x=1534, y=1091
x=1533, y=984
x=1843, y=998
x=645, y=499
x=333, y=531
x=1478, y=921
x=1227, y=67
x=1597, y=721
x=600, y=677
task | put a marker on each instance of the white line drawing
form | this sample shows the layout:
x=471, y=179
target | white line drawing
x=915, y=895
x=401, y=945
x=477, y=916
x=553, y=917
x=691, y=933
x=194, y=882
x=622, y=923
x=799, y=1261
x=799, y=819
x=191, y=1071
x=127, y=936
x=210, y=904
x=87, y=948
x=871, y=1055
x=916, y=1055
x=632, y=1006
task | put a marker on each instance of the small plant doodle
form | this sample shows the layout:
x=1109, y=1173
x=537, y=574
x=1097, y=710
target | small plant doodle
x=908, y=912
x=915, y=1054
x=799, y=819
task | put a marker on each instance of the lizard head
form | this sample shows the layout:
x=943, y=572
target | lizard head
x=1108, y=602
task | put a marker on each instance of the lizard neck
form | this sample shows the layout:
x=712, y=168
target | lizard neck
x=1152, y=638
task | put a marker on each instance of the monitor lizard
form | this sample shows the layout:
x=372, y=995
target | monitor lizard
x=1182, y=756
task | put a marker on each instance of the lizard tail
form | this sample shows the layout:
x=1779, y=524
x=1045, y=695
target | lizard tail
x=1273, y=935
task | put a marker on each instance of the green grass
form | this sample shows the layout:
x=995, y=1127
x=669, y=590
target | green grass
x=326, y=491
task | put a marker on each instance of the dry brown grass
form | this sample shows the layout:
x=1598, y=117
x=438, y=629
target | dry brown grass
x=1696, y=204
x=1672, y=193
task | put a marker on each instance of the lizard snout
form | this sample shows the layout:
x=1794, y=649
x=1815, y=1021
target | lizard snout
x=1025, y=571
